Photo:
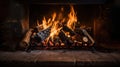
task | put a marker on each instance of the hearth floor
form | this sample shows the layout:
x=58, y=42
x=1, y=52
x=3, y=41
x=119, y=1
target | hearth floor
x=60, y=58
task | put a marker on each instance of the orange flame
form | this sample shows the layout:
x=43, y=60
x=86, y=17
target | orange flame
x=72, y=19
x=57, y=20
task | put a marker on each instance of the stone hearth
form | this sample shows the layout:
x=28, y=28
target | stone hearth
x=60, y=58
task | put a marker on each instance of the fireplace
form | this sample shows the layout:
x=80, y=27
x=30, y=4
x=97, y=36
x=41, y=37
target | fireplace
x=59, y=33
x=74, y=24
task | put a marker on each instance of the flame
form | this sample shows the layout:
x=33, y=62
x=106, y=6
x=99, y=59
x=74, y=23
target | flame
x=54, y=16
x=55, y=29
x=72, y=19
x=45, y=23
x=57, y=21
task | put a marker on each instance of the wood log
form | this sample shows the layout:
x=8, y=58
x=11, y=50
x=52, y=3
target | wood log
x=88, y=36
x=43, y=34
x=84, y=33
x=67, y=41
x=65, y=28
x=57, y=41
x=26, y=40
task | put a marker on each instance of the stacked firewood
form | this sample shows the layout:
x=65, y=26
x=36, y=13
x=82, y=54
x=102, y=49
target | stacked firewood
x=66, y=38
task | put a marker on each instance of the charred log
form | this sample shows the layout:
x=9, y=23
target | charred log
x=43, y=34
x=66, y=40
x=65, y=28
x=37, y=38
x=57, y=41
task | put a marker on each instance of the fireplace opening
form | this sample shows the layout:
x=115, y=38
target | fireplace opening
x=61, y=26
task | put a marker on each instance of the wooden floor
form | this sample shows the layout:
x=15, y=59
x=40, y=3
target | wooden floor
x=71, y=58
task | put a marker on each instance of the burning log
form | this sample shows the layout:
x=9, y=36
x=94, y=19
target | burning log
x=43, y=34
x=26, y=40
x=57, y=41
x=37, y=38
x=66, y=40
x=65, y=28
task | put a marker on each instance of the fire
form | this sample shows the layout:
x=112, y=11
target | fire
x=53, y=16
x=72, y=19
x=57, y=21
x=55, y=29
x=60, y=30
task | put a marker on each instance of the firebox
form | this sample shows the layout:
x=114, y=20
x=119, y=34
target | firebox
x=61, y=25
